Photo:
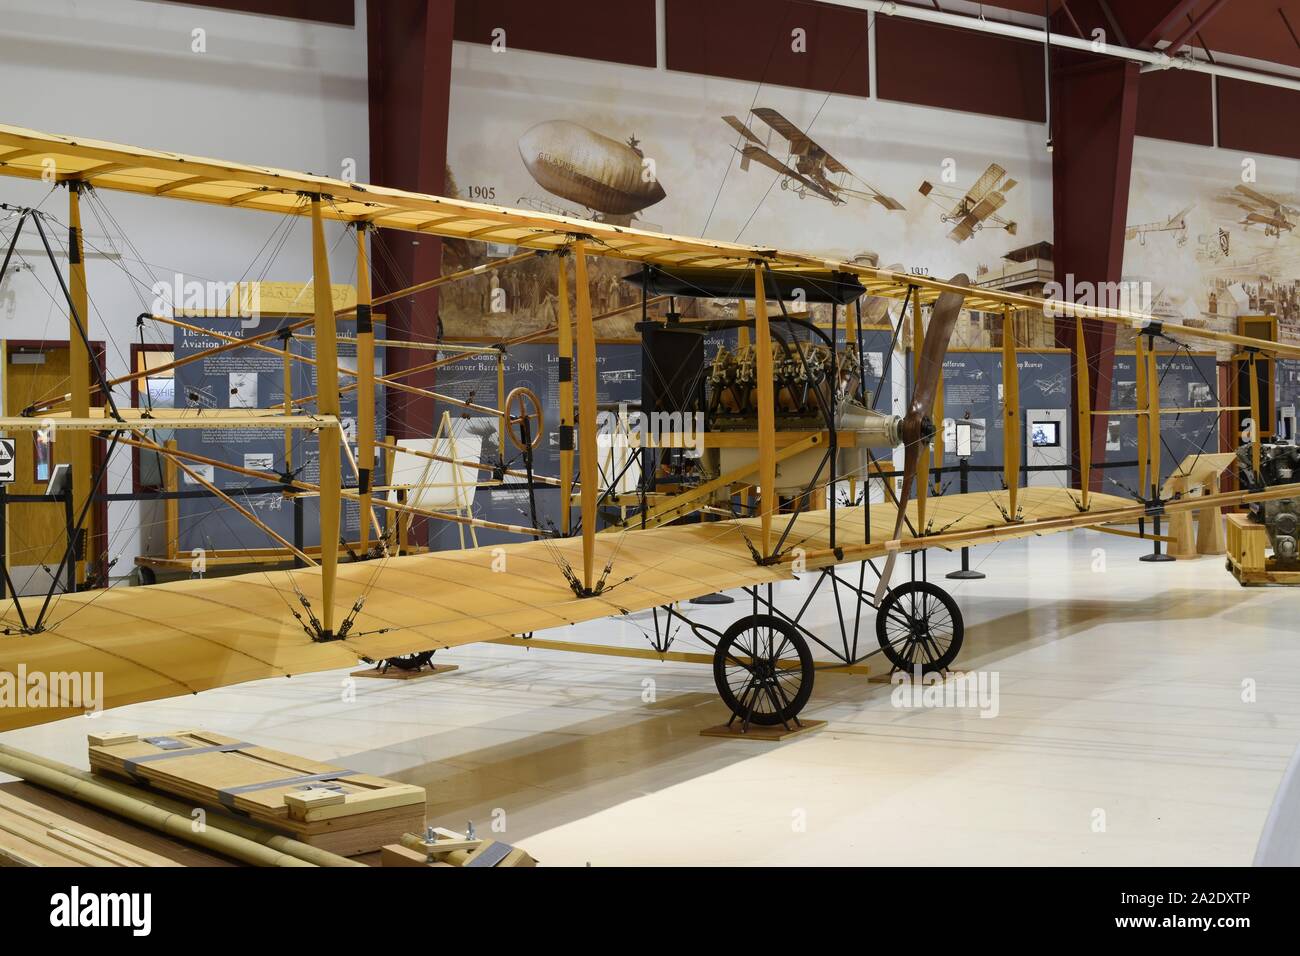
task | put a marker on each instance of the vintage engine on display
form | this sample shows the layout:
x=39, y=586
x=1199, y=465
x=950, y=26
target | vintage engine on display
x=809, y=380
x=1279, y=464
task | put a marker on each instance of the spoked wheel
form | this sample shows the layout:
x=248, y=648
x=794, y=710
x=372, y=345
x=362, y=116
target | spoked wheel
x=407, y=662
x=918, y=624
x=764, y=670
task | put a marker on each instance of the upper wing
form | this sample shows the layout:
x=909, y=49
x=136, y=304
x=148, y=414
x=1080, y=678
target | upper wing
x=991, y=177
x=1258, y=197
x=800, y=142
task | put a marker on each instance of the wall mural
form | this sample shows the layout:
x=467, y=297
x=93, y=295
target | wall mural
x=1212, y=234
x=851, y=178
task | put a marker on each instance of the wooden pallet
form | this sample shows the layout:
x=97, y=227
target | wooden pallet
x=329, y=807
x=33, y=836
x=1248, y=557
x=396, y=673
x=759, y=732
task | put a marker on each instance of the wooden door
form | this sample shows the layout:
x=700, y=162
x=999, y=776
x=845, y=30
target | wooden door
x=35, y=532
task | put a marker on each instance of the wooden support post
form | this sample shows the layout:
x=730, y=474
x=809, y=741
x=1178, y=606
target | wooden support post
x=742, y=333
x=504, y=420
x=923, y=462
x=565, y=341
x=587, y=455
x=1010, y=415
x=79, y=359
x=1256, y=426
x=765, y=372
x=287, y=383
x=1143, y=403
x=327, y=404
x=171, y=507
x=390, y=516
x=365, y=389
x=1084, y=417
x=939, y=418
x=1153, y=418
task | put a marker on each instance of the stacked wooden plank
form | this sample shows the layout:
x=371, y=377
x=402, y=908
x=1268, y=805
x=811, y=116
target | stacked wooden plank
x=338, y=810
x=33, y=836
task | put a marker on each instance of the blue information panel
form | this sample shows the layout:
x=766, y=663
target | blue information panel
x=1186, y=381
x=249, y=378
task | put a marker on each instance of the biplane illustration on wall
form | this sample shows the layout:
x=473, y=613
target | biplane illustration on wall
x=977, y=207
x=1177, y=224
x=808, y=169
x=1261, y=210
x=792, y=427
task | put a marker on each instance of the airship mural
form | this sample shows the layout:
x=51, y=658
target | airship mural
x=575, y=163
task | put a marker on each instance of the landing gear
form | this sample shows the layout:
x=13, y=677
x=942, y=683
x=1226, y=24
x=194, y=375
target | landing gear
x=918, y=624
x=764, y=670
x=408, y=662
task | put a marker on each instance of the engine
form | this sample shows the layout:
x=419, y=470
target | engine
x=1279, y=464
x=809, y=381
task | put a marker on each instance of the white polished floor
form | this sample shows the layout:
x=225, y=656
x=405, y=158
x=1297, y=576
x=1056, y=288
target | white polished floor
x=1122, y=735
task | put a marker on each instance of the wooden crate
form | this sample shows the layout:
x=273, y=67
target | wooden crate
x=31, y=835
x=1248, y=557
x=338, y=810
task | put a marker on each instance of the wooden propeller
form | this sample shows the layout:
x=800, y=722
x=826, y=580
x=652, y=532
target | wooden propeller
x=917, y=427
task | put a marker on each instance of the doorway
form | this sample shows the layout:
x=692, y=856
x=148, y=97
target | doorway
x=36, y=532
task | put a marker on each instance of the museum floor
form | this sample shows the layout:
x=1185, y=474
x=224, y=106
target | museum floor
x=1121, y=734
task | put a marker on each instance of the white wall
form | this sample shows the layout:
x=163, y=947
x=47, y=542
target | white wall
x=268, y=91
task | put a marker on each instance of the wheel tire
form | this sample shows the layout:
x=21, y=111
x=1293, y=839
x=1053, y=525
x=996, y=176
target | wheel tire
x=146, y=575
x=909, y=631
x=760, y=692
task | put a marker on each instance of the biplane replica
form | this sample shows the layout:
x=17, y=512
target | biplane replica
x=976, y=208
x=1177, y=224
x=808, y=168
x=1262, y=210
x=789, y=420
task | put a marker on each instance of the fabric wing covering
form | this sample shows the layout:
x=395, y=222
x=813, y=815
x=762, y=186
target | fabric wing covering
x=188, y=636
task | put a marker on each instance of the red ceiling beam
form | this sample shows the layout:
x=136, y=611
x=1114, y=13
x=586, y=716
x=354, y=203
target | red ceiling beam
x=1166, y=23
x=1176, y=44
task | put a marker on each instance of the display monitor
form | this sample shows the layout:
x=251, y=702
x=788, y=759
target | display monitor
x=1045, y=434
x=963, y=433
